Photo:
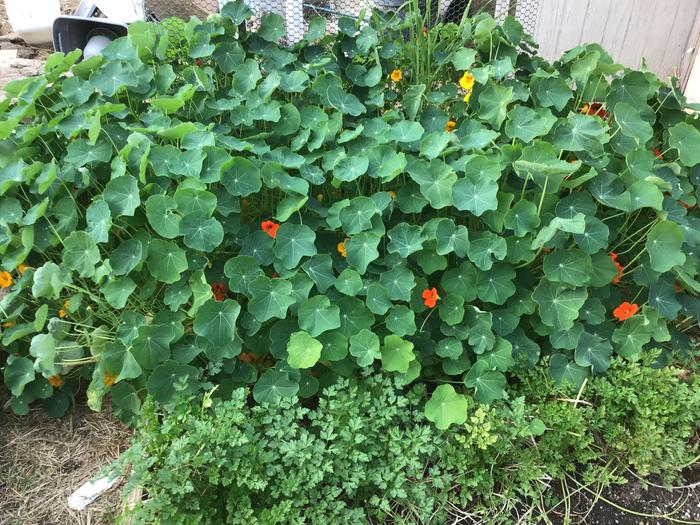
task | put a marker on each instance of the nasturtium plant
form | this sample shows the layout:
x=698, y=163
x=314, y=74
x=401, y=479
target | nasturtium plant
x=239, y=209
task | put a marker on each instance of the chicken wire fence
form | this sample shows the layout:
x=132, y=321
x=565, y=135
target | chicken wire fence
x=298, y=13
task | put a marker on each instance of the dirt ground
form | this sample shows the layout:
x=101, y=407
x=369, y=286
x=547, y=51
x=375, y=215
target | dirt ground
x=43, y=460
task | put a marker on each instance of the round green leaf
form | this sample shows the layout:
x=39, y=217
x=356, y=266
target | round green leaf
x=446, y=407
x=274, y=385
x=304, y=351
x=294, y=241
x=162, y=217
x=364, y=346
x=166, y=261
x=317, y=315
x=80, y=253
x=216, y=321
x=396, y=354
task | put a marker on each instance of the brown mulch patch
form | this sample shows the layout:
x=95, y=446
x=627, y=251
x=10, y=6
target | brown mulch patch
x=43, y=460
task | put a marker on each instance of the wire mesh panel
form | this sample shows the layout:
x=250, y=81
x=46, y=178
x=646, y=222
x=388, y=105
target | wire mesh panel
x=298, y=13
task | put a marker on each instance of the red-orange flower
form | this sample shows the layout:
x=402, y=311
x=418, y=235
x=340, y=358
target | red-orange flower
x=620, y=269
x=246, y=357
x=658, y=154
x=219, y=291
x=199, y=62
x=430, y=297
x=677, y=287
x=270, y=228
x=109, y=379
x=594, y=108
x=55, y=381
x=625, y=311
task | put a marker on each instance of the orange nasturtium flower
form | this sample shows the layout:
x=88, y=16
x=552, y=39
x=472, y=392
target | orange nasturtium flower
x=219, y=291
x=625, y=311
x=451, y=125
x=5, y=279
x=8, y=324
x=62, y=313
x=341, y=249
x=22, y=268
x=594, y=108
x=396, y=75
x=246, y=357
x=270, y=228
x=55, y=381
x=109, y=379
x=467, y=81
x=658, y=153
x=620, y=269
x=430, y=297
x=392, y=194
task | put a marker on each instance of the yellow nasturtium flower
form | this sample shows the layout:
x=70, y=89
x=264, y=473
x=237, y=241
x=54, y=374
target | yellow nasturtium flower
x=5, y=279
x=341, y=249
x=396, y=75
x=467, y=81
x=467, y=96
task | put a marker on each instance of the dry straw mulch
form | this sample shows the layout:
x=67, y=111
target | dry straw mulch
x=43, y=460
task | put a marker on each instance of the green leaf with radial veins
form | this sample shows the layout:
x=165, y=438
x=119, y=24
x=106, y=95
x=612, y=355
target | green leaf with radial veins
x=405, y=239
x=160, y=212
x=246, y=76
x=493, y=104
x=270, y=298
x=271, y=27
x=80, y=253
x=401, y=320
x=361, y=249
x=126, y=256
x=201, y=232
x=350, y=168
x=631, y=123
x=451, y=238
x=122, y=195
x=663, y=245
x=435, y=180
x=526, y=124
x=241, y=177
x=275, y=385
x=446, y=407
x=559, y=305
x=346, y=103
x=354, y=316
x=593, y=351
x=549, y=89
x=461, y=281
x=541, y=163
x=566, y=372
x=398, y=281
x=522, y=218
x=397, y=354
x=318, y=315
x=572, y=267
x=377, y=299
x=19, y=372
x=686, y=139
x=349, y=282
x=166, y=261
x=241, y=271
x=406, y=131
x=99, y=221
x=364, y=347
x=475, y=194
x=581, y=133
x=303, y=350
x=216, y=321
x=496, y=285
x=228, y=56
x=488, y=384
x=292, y=243
x=473, y=134
x=357, y=216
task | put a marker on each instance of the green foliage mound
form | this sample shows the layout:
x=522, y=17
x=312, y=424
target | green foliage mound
x=366, y=453
x=233, y=211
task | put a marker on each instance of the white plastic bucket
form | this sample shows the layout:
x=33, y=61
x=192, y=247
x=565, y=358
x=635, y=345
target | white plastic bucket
x=33, y=20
